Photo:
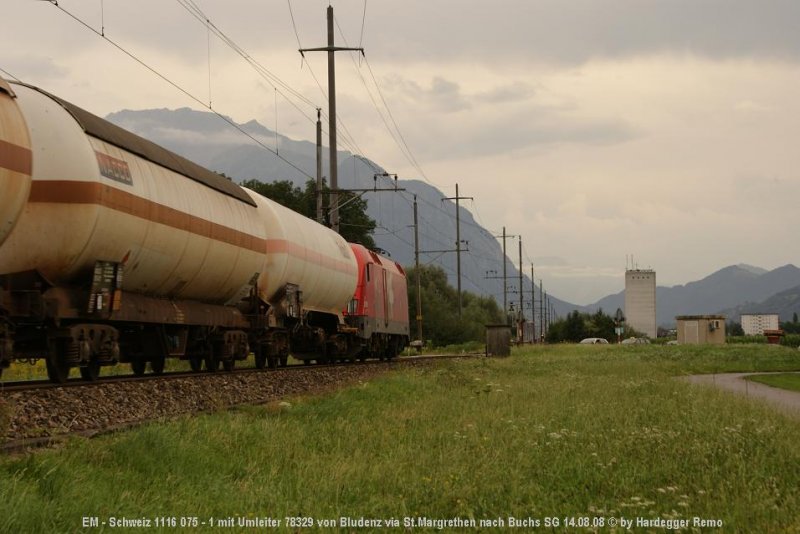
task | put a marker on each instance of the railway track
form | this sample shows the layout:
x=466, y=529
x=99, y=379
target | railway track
x=30, y=385
x=43, y=414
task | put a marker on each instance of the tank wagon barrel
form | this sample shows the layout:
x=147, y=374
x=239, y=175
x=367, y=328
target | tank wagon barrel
x=15, y=161
x=114, y=249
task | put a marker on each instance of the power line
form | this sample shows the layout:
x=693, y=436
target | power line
x=363, y=21
x=273, y=80
x=413, y=160
x=9, y=74
x=176, y=86
x=347, y=137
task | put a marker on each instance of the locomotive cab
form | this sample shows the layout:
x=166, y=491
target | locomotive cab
x=379, y=308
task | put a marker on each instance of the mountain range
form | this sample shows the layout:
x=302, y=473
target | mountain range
x=730, y=291
x=209, y=140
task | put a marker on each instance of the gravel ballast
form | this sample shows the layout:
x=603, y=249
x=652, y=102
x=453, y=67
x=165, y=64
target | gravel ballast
x=99, y=407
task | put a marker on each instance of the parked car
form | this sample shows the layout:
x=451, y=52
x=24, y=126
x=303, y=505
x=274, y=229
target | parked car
x=594, y=341
x=635, y=340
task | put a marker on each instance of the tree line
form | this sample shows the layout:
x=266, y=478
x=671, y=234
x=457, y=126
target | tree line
x=577, y=326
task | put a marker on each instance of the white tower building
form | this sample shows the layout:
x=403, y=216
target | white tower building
x=640, y=300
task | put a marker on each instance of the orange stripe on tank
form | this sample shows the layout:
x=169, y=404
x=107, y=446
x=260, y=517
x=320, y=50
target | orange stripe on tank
x=15, y=158
x=70, y=192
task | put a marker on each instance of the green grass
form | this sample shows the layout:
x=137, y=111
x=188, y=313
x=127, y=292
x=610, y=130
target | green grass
x=783, y=381
x=555, y=431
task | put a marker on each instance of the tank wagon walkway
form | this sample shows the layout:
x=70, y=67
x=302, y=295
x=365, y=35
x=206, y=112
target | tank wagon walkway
x=785, y=400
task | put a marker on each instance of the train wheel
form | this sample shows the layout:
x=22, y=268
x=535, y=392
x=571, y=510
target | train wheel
x=229, y=365
x=157, y=365
x=91, y=372
x=138, y=366
x=57, y=366
x=195, y=363
x=261, y=361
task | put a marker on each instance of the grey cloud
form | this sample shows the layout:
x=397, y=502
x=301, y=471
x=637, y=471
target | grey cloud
x=527, y=130
x=507, y=93
x=579, y=30
x=501, y=33
x=442, y=96
x=43, y=68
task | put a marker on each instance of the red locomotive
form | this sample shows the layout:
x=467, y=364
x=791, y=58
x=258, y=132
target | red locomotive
x=379, y=308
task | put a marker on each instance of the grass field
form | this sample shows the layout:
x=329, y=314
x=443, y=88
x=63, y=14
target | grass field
x=556, y=432
x=783, y=381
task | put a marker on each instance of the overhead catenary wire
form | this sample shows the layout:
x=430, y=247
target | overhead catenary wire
x=4, y=71
x=395, y=133
x=176, y=86
x=344, y=132
x=273, y=80
x=363, y=22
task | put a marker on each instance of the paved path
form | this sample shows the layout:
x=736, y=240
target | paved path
x=788, y=401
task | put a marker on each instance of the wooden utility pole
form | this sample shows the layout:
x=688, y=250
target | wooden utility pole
x=416, y=266
x=533, y=306
x=457, y=198
x=320, y=213
x=541, y=309
x=521, y=296
x=505, y=277
x=334, y=173
x=546, y=314
x=505, y=273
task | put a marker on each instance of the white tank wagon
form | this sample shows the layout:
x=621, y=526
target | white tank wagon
x=15, y=183
x=124, y=250
x=307, y=269
x=93, y=200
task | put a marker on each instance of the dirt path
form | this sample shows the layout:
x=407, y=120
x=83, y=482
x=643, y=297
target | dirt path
x=788, y=401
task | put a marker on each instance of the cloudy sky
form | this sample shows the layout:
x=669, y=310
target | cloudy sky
x=597, y=129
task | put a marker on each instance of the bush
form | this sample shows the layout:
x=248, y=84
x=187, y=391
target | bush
x=788, y=340
x=746, y=339
x=791, y=340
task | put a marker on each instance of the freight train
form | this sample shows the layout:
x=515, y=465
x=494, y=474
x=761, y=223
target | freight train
x=114, y=249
